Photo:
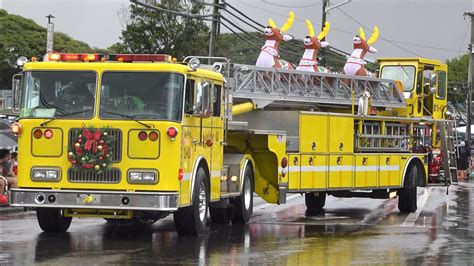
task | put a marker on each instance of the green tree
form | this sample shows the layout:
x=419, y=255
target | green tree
x=148, y=31
x=457, y=77
x=23, y=37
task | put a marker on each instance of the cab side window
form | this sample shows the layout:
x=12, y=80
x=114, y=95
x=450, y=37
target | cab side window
x=419, y=83
x=217, y=98
x=441, y=84
x=189, y=97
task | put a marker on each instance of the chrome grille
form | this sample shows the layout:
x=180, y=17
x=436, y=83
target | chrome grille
x=116, y=146
x=107, y=176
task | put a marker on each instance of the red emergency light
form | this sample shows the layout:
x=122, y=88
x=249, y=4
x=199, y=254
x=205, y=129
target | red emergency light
x=140, y=58
x=113, y=57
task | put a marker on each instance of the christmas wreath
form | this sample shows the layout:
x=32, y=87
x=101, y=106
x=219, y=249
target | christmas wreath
x=91, y=150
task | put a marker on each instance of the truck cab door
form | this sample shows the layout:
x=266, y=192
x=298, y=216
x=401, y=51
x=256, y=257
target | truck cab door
x=217, y=142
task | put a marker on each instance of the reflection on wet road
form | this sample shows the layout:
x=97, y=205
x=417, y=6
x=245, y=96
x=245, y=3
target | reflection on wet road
x=351, y=231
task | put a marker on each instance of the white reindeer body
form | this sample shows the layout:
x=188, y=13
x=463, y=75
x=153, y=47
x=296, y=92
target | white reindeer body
x=307, y=62
x=267, y=54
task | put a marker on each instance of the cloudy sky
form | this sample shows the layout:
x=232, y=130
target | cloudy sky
x=428, y=28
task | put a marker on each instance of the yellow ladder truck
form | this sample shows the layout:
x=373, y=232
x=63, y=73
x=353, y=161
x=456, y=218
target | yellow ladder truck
x=136, y=137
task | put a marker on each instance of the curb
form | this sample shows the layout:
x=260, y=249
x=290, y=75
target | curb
x=8, y=209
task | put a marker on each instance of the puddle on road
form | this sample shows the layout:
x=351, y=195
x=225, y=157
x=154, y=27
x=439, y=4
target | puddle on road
x=337, y=237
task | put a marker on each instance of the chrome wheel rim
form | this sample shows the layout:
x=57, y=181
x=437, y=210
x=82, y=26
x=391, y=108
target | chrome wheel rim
x=247, y=193
x=202, y=203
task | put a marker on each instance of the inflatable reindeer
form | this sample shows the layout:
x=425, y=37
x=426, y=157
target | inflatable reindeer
x=309, y=61
x=273, y=36
x=355, y=65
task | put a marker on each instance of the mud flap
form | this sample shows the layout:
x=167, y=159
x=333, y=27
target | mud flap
x=282, y=193
x=266, y=190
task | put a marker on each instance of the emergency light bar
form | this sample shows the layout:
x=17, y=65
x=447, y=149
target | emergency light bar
x=113, y=57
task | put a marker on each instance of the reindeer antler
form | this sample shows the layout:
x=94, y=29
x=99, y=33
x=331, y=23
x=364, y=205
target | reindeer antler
x=325, y=31
x=310, y=28
x=373, y=38
x=361, y=33
x=288, y=23
x=271, y=23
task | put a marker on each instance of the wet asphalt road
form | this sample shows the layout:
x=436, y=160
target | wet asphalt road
x=351, y=231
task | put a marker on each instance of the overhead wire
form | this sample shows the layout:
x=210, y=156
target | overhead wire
x=254, y=37
x=174, y=12
x=380, y=36
x=238, y=35
x=292, y=6
x=244, y=21
x=464, y=38
x=244, y=15
x=337, y=54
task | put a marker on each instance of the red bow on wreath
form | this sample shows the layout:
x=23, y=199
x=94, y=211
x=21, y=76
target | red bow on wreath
x=91, y=140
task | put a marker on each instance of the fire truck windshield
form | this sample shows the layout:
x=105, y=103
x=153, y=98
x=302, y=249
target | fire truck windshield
x=405, y=74
x=51, y=94
x=141, y=95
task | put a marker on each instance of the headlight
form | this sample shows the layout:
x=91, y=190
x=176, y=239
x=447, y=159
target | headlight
x=143, y=177
x=45, y=174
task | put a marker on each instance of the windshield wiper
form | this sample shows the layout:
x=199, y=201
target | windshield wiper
x=132, y=117
x=403, y=68
x=65, y=114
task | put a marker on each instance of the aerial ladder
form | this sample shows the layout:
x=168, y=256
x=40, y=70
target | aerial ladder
x=387, y=127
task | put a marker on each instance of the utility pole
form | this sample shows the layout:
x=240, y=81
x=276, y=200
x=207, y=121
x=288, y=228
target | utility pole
x=470, y=80
x=49, y=35
x=214, y=27
x=322, y=52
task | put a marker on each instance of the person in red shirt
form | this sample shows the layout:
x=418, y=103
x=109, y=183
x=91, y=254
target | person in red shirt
x=7, y=176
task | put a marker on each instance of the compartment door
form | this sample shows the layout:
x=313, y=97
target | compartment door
x=366, y=171
x=341, y=134
x=294, y=171
x=314, y=171
x=340, y=171
x=389, y=174
x=313, y=133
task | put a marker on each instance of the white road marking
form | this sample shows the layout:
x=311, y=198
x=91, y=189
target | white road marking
x=263, y=206
x=412, y=217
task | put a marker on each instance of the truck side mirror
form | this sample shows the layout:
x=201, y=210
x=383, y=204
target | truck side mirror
x=16, y=83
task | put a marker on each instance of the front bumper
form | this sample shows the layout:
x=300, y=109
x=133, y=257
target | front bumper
x=87, y=199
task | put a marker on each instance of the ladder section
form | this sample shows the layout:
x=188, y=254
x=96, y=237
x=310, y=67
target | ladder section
x=449, y=139
x=278, y=87
x=380, y=136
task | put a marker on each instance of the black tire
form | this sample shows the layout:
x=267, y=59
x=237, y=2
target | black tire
x=52, y=220
x=221, y=215
x=407, y=196
x=314, y=202
x=190, y=220
x=243, y=204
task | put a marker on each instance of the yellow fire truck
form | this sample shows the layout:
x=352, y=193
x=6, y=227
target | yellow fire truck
x=136, y=137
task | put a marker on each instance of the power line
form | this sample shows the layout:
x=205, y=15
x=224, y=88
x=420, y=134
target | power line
x=245, y=16
x=463, y=39
x=239, y=18
x=426, y=46
x=160, y=9
x=380, y=36
x=292, y=6
x=296, y=19
x=254, y=37
x=238, y=35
